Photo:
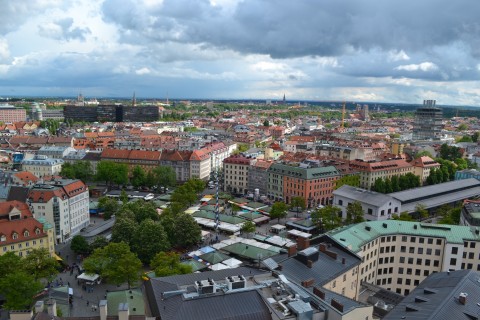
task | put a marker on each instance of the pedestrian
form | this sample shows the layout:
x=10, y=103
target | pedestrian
x=68, y=284
x=88, y=302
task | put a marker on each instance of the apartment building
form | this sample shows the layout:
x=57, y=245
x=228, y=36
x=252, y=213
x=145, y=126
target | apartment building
x=370, y=171
x=20, y=232
x=398, y=255
x=11, y=114
x=422, y=167
x=235, y=173
x=310, y=181
x=258, y=176
x=42, y=166
x=63, y=203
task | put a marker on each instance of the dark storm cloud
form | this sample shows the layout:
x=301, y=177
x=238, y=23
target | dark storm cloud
x=284, y=29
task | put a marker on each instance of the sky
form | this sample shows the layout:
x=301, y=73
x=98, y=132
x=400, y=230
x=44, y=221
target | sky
x=356, y=50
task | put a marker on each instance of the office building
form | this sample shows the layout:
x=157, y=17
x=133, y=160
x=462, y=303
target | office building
x=428, y=122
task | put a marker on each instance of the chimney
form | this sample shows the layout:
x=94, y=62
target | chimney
x=462, y=298
x=39, y=305
x=103, y=309
x=292, y=250
x=123, y=311
x=21, y=315
x=52, y=307
x=319, y=293
x=323, y=247
x=309, y=263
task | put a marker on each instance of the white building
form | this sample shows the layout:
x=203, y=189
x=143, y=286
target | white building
x=64, y=204
x=42, y=166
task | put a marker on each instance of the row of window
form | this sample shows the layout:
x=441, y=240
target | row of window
x=20, y=245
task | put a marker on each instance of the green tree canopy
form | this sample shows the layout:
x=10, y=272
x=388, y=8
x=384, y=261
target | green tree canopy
x=278, y=211
x=149, y=239
x=19, y=287
x=297, y=203
x=9, y=263
x=112, y=172
x=138, y=177
x=351, y=180
x=115, y=263
x=354, y=213
x=327, y=218
x=404, y=216
x=168, y=264
x=98, y=242
x=187, y=231
x=109, y=206
x=164, y=176
x=248, y=227
x=123, y=230
x=40, y=264
x=79, y=245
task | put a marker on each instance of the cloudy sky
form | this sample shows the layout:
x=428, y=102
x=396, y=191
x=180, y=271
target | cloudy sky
x=361, y=50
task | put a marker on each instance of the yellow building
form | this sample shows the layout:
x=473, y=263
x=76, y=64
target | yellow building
x=20, y=232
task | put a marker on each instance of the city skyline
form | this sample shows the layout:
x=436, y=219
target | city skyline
x=231, y=49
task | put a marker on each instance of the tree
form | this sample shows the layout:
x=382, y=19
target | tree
x=354, y=213
x=112, y=172
x=99, y=242
x=187, y=231
x=475, y=136
x=421, y=210
x=109, y=206
x=9, y=263
x=149, y=239
x=19, y=287
x=379, y=186
x=40, y=264
x=465, y=139
x=404, y=216
x=266, y=123
x=138, y=177
x=352, y=180
x=327, y=218
x=462, y=127
x=123, y=230
x=168, y=264
x=184, y=195
x=123, y=197
x=278, y=211
x=395, y=183
x=79, y=245
x=67, y=171
x=248, y=227
x=142, y=210
x=115, y=263
x=164, y=176
x=298, y=204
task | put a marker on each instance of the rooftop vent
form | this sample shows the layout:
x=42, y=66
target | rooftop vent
x=368, y=228
x=236, y=282
x=205, y=286
x=462, y=298
x=385, y=225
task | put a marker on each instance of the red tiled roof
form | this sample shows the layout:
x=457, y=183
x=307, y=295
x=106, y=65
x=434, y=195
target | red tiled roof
x=144, y=155
x=115, y=154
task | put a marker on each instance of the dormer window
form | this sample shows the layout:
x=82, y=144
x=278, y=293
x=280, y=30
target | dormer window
x=26, y=233
x=37, y=230
x=3, y=238
x=14, y=235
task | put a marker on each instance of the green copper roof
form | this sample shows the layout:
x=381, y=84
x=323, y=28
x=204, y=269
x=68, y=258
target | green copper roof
x=248, y=251
x=303, y=173
x=46, y=224
x=223, y=217
x=355, y=236
x=133, y=297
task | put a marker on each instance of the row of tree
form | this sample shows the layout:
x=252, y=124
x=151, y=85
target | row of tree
x=396, y=183
x=114, y=173
x=20, y=277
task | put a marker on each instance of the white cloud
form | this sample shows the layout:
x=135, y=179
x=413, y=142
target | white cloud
x=143, y=71
x=4, y=50
x=424, y=66
x=398, y=56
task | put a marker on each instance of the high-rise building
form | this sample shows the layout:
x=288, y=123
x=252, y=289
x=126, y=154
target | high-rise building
x=428, y=122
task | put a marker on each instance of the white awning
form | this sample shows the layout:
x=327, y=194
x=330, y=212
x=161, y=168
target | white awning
x=88, y=277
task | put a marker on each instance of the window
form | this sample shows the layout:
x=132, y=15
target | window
x=413, y=239
x=340, y=202
x=418, y=272
x=411, y=250
x=404, y=238
x=436, y=263
x=429, y=251
x=420, y=250
x=416, y=282
x=454, y=250
x=394, y=238
x=472, y=244
x=410, y=260
x=437, y=252
x=409, y=270
x=3, y=238
x=402, y=259
x=425, y=273
x=430, y=241
x=400, y=270
x=419, y=261
x=427, y=262
x=421, y=240
x=439, y=242
x=344, y=277
x=453, y=261
x=334, y=284
x=470, y=255
x=408, y=281
x=26, y=233
x=14, y=235
x=403, y=249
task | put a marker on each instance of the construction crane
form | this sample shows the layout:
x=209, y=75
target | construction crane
x=343, y=114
